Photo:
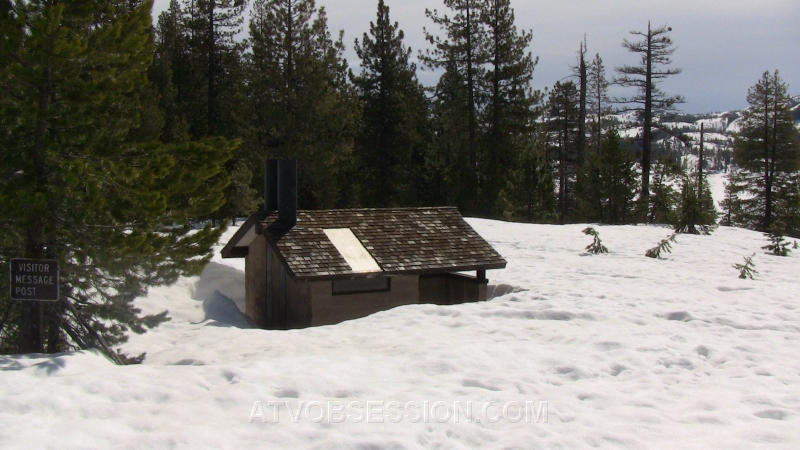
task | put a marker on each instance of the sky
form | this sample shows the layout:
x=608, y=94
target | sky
x=723, y=46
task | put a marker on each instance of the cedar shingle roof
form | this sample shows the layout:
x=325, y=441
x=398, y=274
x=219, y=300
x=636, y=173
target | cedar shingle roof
x=401, y=240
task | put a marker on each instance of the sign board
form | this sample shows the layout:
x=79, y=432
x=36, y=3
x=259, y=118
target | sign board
x=34, y=279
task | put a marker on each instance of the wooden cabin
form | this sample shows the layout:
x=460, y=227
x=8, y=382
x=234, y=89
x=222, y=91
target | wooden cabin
x=308, y=268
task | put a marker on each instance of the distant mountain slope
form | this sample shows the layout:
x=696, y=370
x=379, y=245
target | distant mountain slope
x=678, y=134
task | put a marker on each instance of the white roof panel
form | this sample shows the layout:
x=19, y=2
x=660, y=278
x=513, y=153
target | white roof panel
x=351, y=249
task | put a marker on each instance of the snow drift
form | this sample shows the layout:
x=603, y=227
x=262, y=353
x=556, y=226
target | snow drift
x=614, y=350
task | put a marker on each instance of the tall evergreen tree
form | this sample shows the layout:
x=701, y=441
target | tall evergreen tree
x=461, y=53
x=564, y=113
x=598, y=102
x=224, y=19
x=450, y=146
x=663, y=196
x=654, y=50
x=393, y=131
x=242, y=198
x=85, y=180
x=197, y=47
x=609, y=184
x=529, y=194
x=580, y=72
x=767, y=148
x=731, y=204
x=509, y=101
x=695, y=212
x=172, y=74
x=300, y=103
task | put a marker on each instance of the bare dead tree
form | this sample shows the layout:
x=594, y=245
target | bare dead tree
x=654, y=49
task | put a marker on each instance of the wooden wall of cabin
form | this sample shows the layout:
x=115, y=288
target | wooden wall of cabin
x=451, y=289
x=313, y=303
x=275, y=301
x=265, y=286
x=255, y=281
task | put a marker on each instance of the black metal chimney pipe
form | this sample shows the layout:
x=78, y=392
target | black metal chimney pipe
x=270, y=186
x=287, y=193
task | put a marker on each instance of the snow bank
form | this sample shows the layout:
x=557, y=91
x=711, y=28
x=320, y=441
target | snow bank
x=574, y=351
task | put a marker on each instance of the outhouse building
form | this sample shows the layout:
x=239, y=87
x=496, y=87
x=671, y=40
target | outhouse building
x=307, y=268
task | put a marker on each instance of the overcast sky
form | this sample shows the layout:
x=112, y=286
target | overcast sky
x=723, y=45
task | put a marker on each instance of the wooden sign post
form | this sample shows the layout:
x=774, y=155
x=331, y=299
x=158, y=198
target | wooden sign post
x=34, y=280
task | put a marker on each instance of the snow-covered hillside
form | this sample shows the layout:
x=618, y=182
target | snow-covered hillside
x=581, y=351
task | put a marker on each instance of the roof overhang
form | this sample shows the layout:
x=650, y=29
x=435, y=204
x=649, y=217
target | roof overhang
x=432, y=271
x=239, y=245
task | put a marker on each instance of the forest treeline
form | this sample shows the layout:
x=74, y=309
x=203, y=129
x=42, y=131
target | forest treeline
x=120, y=135
x=480, y=139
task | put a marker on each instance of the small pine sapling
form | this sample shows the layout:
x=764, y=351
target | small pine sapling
x=596, y=246
x=663, y=246
x=795, y=246
x=746, y=270
x=695, y=213
x=778, y=246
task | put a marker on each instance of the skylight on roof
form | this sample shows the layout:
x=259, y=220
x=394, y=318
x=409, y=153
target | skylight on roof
x=352, y=251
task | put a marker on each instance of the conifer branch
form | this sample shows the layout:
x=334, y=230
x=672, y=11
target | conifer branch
x=596, y=246
x=662, y=246
x=778, y=246
x=746, y=270
x=97, y=337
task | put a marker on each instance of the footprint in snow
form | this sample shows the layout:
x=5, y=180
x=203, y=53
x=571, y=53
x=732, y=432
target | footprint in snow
x=774, y=414
x=478, y=384
x=681, y=316
x=287, y=393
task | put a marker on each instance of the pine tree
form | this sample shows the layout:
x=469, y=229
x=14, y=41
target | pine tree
x=300, y=104
x=663, y=197
x=768, y=149
x=580, y=72
x=731, y=205
x=790, y=202
x=654, y=50
x=198, y=72
x=172, y=74
x=609, y=187
x=394, y=129
x=461, y=50
x=508, y=115
x=224, y=19
x=243, y=198
x=461, y=54
x=85, y=180
x=746, y=270
x=197, y=46
x=778, y=245
x=563, y=114
x=597, y=245
x=529, y=192
x=449, y=157
x=695, y=212
x=598, y=102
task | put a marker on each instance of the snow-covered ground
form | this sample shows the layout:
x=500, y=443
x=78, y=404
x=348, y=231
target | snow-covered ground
x=717, y=182
x=583, y=351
